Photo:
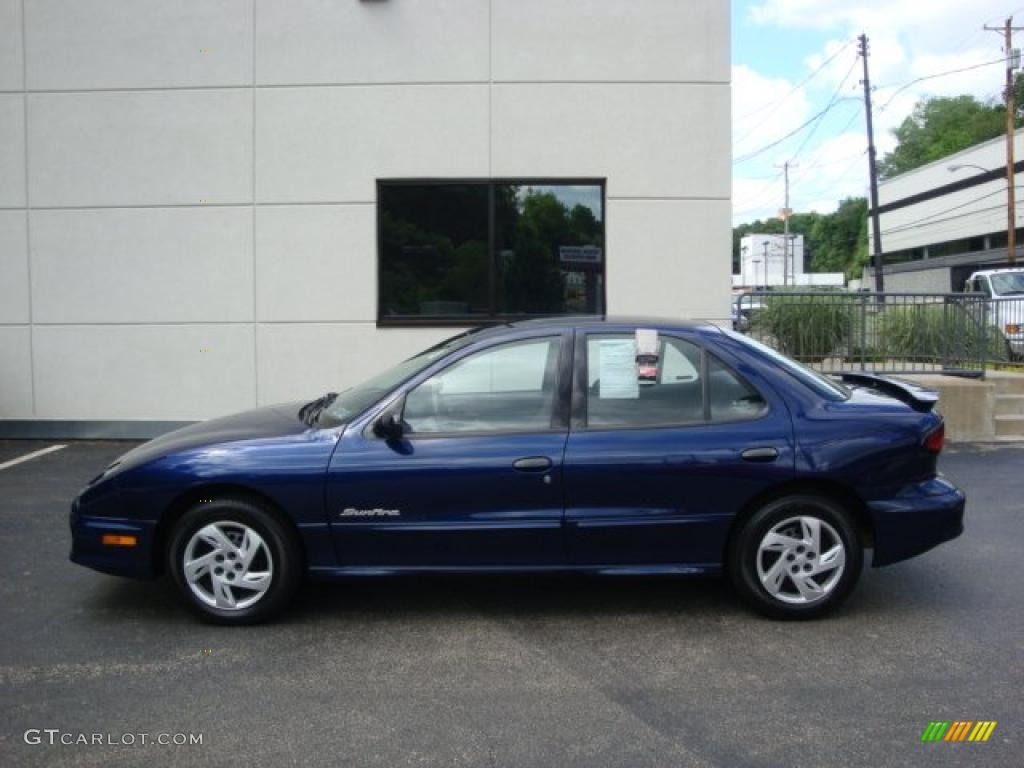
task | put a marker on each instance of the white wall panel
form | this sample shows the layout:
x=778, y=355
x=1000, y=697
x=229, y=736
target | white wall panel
x=312, y=41
x=140, y=148
x=158, y=372
x=331, y=144
x=610, y=40
x=316, y=262
x=665, y=258
x=14, y=296
x=649, y=140
x=304, y=360
x=78, y=44
x=11, y=53
x=12, y=150
x=142, y=265
x=15, y=372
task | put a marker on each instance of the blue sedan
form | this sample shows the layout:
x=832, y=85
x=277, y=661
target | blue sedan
x=591, y=445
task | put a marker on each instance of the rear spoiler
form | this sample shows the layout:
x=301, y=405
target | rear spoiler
x=917, y=397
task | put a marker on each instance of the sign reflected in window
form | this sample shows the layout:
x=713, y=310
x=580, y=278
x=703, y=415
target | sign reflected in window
x=477, y=251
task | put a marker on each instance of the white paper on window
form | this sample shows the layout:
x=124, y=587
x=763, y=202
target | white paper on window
x=617, y=368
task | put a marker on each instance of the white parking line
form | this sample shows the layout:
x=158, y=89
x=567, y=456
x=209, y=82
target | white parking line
x=30, y=456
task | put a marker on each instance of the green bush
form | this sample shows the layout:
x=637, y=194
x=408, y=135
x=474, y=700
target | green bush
x=937, y=332
x=807, y=328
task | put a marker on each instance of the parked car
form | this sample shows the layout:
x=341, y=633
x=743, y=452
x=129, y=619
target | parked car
x=536, y=447
x=1005, y=288
x=743, y=309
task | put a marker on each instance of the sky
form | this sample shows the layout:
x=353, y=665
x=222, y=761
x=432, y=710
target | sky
x=792, y=59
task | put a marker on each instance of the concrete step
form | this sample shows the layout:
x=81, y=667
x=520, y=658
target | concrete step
x=1009, y=405
x=1010, y=426
x=1006, y=383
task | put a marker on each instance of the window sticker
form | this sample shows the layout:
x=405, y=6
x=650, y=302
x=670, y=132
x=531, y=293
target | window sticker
x=646, y=356
x=617, y=370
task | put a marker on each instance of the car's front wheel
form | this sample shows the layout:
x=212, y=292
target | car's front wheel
x=233, y=561
x=796, y=557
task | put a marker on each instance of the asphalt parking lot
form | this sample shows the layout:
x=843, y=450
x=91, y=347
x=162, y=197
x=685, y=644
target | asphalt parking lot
x=512, y=672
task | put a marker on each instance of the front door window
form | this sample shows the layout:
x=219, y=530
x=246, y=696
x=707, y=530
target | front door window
x=508, y=388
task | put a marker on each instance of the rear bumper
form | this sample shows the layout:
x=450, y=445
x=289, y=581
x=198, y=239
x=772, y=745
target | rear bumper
x=921, y=517
x=87, y=546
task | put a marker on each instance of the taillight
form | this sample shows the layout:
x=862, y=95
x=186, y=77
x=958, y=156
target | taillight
x=934, y=440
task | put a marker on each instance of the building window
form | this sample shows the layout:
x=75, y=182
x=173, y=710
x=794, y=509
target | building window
x=465, y=252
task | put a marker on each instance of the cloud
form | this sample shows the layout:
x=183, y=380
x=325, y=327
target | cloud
x=908, y=40
x=764, y=109
x=871, y=14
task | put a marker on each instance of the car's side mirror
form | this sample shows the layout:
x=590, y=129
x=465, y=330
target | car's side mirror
x=389, y=424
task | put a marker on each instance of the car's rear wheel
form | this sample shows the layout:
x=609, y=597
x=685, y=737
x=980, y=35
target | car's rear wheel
x=796, y=557
x=233, y=561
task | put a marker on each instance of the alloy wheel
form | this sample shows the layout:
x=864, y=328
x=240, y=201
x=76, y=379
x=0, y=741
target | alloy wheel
x=228, y=565
x=800, y=560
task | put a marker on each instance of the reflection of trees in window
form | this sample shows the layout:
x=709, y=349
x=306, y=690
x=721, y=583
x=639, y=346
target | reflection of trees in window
x=533, y=226
x=435, y=259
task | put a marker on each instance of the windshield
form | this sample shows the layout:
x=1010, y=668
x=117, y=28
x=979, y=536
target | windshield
x=823, y=385
x=357, y=399
x=1008, y=283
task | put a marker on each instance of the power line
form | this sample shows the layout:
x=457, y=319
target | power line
x=817, y=163
x=794, y=132
x=758, y=200
x=832, y=101
x=916, y=80
x=759, y=196
x=928, y=218
x=940, y=226
x=775, y=105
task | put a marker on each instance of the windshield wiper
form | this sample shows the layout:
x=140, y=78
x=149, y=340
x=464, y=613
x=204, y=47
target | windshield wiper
x=310, y=412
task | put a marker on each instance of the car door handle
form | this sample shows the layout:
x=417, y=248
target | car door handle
x=760, y=454
x=532, y=464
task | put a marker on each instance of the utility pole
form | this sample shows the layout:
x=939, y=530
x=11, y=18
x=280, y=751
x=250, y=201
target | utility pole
x=785, y=223
x=1012, y=62
x=765, y=244
x=872, y=171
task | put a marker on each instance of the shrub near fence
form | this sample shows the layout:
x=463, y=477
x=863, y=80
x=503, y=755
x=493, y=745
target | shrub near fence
x=947, y=331
x=891, y=333
x=805, y=327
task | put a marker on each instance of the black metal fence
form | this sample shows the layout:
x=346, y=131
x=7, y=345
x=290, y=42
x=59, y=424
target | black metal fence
x=952, y=333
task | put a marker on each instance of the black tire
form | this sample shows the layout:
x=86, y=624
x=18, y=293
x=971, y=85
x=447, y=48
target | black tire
x=744, y=557
x=285, y=557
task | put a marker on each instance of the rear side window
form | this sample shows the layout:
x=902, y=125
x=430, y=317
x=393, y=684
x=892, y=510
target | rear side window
x=824, y=386
x=685, y=389
x=617, y=398
x=730, y=398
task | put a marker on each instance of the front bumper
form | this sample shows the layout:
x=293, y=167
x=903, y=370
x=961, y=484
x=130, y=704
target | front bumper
x=88, y=549
x=920, y=517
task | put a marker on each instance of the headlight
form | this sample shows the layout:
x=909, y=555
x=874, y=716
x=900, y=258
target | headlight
x=1013, y=328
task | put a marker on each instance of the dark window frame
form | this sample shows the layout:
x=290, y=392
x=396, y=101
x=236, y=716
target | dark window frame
x=466, y=321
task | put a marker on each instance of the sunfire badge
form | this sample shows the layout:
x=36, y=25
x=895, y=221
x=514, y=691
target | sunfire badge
x=375, y=512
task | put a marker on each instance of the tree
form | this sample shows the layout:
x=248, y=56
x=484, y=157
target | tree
x=834, y=239
x=939, y=127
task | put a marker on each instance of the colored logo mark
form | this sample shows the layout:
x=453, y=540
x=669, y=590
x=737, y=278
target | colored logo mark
x=958, y=730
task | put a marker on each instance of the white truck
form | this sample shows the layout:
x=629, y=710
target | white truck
x=1005, y=289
